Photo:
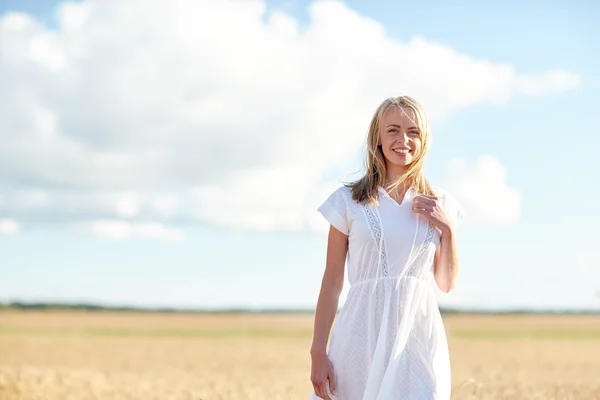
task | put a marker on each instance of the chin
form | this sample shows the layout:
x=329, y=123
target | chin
x=393, y=159
x=402, y=163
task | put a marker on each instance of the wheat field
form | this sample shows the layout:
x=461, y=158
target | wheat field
x=127, y=355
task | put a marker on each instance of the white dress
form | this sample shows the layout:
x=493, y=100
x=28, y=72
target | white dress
x=388, y=341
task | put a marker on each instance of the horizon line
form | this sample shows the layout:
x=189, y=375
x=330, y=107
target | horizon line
x=99, y=306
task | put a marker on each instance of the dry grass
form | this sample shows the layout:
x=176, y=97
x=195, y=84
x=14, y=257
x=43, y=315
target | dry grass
x=78, y=355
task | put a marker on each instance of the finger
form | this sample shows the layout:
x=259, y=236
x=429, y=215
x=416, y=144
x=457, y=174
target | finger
x=321, y=391
x=423, y=212
x=424, y=197
x=424, y=201
x=324, y=394
x=332, y=383
x=317, y=391
x=421, y=204
x=432, y=201
x=422, y=207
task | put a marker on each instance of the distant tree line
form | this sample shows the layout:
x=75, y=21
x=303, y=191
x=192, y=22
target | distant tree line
x=19, y=305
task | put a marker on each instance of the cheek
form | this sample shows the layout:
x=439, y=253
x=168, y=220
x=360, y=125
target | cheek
x=417, y=144
x=385, y=144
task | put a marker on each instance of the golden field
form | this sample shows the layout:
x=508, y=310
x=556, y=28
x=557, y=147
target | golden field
x=125, y=355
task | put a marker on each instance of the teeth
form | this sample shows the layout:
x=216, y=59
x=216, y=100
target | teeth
x=401, y=151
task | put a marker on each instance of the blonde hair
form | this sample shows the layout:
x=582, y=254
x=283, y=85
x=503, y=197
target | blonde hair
x=366, y=189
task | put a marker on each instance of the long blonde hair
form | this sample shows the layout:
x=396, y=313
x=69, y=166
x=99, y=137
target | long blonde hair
x=366, y=189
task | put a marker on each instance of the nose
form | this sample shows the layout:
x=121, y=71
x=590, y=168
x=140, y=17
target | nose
x=403, y=138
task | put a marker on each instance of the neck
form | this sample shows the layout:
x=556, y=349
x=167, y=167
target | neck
x=393, y=172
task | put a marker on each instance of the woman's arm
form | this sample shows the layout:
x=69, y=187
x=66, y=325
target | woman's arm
x=445, y=262
x=322, y=374
x=331, y=287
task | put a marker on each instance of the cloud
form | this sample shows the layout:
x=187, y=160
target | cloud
x=208, y=112
x=483, y=191
x=8, y=226
x=587, y=259
x=119, y=230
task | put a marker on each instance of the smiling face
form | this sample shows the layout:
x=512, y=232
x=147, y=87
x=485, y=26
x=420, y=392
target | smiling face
x=399, y=138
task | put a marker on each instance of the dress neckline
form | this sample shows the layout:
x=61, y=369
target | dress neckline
x=408, y=192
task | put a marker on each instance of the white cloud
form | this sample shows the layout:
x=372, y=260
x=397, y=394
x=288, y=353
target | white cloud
x=587, y=259
x=584, y=259
x=207, y=111
x=8, y=226
x=119, y=230
x=483, y=191
x=128, y=204
x=262, y=199
x=166, y=204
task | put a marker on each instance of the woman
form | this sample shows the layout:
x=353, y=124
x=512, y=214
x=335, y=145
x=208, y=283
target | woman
x=397, y=235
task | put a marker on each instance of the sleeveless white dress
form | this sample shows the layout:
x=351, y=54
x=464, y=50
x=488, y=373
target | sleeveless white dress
x=388, y=341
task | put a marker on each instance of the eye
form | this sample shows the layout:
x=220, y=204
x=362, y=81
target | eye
x=414, y=132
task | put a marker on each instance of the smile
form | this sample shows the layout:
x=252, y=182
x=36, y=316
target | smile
x=402, y=151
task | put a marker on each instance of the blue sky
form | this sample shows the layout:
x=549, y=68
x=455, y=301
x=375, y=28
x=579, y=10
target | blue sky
x=180, y=230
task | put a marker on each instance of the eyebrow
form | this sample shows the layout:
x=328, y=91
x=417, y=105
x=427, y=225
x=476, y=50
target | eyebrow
x=398, y=126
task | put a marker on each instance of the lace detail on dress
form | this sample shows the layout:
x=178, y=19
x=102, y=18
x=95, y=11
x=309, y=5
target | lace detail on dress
x=374, y=222
x=414, y=269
